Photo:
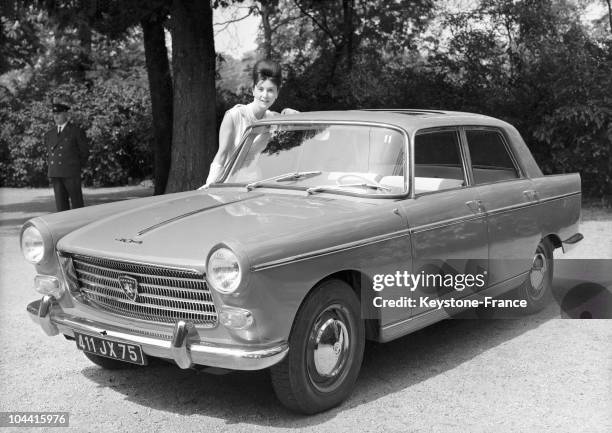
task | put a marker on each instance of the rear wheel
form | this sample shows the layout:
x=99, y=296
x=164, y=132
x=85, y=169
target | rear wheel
x=537, y=288
x=325, y=351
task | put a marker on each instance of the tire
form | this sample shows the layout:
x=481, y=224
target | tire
x=109, y=363
x=537, y=288
x=325, y=351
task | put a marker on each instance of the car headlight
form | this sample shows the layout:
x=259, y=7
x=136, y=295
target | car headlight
x=223, y=271
x=32, y=245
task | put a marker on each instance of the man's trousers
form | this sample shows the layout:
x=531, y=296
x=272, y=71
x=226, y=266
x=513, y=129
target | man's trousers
x=67, y=192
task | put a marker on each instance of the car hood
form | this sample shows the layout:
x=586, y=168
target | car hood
x=181, y=229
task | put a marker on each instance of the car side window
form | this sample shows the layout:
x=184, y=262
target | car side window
x=437, y=161
x=491, y=161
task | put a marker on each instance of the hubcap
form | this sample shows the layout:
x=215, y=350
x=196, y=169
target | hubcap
x=537, y=275
x=329, y=348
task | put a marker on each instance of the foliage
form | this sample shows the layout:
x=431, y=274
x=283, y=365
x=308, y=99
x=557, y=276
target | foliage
x=116, y=118
x=19, y=40
x=533, y=64
x=111, y=104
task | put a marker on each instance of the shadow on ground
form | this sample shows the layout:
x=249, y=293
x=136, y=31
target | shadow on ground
x=248, y=397
x=16, y=213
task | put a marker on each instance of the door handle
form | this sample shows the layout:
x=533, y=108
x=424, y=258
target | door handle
x=531, y=195
x=475, y=206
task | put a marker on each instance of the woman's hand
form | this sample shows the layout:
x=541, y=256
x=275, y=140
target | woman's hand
x=289, y=111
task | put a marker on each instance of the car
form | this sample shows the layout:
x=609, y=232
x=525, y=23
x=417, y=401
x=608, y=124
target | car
x=325, y=230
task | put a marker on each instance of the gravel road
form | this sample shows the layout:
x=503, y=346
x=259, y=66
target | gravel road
x=535, y=374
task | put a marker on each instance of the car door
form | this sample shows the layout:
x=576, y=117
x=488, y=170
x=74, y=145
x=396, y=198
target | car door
x=448, y=227
x=509, y=200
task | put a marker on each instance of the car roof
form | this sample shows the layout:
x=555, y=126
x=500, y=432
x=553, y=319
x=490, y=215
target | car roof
x=409, y=119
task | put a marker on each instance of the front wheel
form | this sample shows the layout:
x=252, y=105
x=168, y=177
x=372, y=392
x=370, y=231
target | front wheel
x=325, y=350
x=537, y=288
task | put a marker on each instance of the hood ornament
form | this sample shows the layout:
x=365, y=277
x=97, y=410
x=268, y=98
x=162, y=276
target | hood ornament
x=129, y=286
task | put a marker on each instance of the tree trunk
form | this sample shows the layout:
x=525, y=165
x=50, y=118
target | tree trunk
x=347, y=14
x=609, y=13
x=194, y=132
x=265, y=23
x=160, y=86
x=84, y=35
x=267, y=9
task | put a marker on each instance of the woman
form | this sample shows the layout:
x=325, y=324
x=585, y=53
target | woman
x=266, y=84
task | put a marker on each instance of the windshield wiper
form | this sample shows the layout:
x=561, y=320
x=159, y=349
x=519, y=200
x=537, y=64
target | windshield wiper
x=348, y=185
x=282, y=177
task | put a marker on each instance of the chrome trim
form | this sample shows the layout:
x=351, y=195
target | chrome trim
x=165, y=294
x=400, y=233
x=570, y=243
x=511, y=208
x=153, y=286
x=184, y=345
x=364, y=242
x=530, y=203
x=44, y=315
x=188, y=214
x=557, y=197
x=272, y=121
x=402, y=110
x=489, y=291
x=134, y=262
x=137, y=263
x=145, y=304
x=446, y=223
x=574, y=239
x=331, y=250
x=180, y=354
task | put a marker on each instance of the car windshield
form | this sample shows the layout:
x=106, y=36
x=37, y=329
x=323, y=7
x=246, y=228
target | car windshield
x=353, y=159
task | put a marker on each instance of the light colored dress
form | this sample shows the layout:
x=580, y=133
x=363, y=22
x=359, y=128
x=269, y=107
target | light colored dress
x=242, y=117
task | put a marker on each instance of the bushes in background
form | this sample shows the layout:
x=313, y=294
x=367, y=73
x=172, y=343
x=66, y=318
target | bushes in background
x=115, y=115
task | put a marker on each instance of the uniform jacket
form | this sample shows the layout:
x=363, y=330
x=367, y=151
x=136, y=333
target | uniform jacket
x=68, y=151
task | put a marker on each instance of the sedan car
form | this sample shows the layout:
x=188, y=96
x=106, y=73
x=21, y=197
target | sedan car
x=326, y=229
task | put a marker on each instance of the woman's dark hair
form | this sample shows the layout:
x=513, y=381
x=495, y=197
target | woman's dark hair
x=267, y=70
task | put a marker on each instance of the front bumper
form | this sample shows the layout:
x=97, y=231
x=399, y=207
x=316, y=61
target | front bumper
x=182, y=348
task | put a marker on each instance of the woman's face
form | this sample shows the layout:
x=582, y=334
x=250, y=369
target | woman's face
x=265, y=93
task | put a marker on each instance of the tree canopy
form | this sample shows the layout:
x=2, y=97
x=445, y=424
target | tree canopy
x=542, y=65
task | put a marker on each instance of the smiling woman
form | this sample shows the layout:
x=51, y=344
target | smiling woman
x=266, y=84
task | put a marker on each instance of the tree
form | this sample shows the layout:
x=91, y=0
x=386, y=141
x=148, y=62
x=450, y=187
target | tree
x=328, y=46
x=194, y=137
x=114, y=18
x=532, y=62
x=160, y=85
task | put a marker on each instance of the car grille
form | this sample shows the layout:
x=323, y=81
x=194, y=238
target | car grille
x=164, y=294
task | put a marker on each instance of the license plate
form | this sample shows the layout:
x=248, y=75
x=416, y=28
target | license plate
x=111, y=349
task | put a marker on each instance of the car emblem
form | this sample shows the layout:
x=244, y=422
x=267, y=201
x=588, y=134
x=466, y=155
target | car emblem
x=128, y=241
x=129, y=286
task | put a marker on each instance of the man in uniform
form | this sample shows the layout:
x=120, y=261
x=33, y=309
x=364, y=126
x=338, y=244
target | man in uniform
x=68, y=151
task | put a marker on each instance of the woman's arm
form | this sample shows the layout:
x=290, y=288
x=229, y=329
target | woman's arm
x=226, y=147
x=289, y=111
